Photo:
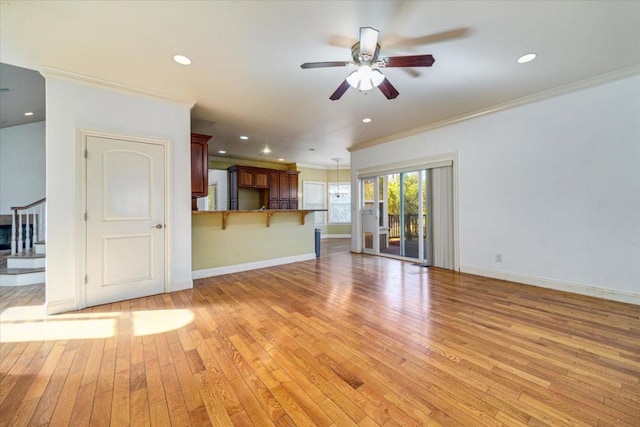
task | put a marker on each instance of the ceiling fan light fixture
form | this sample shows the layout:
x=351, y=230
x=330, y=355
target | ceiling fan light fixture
x=365, y=78
x=377, y=77
x=354, y=79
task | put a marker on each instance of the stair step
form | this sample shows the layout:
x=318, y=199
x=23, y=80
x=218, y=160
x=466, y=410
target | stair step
x=23, y=268
x=14, y=271
x=26, y=259
x=40, y=247
x=21, y=276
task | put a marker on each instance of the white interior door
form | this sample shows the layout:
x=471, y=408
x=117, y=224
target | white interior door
x=125, y=220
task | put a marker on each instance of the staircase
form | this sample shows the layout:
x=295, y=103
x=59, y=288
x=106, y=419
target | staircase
x=25, y=268
x=26, y=263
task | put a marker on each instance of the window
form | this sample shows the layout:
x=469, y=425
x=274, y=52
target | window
x=340, y=202
x=314, y=197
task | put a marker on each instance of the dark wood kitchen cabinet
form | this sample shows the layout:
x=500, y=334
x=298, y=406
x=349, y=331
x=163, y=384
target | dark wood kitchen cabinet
x=249, y=177
x=261, y=178
x=293, y=191
x=199, y=167
x=293, y=186
x=274, y=190
x=246, y=178
x=278, y=189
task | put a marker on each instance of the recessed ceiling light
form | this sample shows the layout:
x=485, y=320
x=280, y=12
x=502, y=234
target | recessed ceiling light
x=266, y=150
x=366, y=120
x=29, y=113
x=527, y=58
x=281, y=160
x=222, y=152
x=181, y=59
x=244, y=137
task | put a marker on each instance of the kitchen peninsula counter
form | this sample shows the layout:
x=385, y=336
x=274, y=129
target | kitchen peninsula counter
x=266, y=213
x=231, y=241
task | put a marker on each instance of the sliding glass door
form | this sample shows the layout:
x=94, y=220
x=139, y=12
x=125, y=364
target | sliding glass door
x=398, y=215
x=401, y=214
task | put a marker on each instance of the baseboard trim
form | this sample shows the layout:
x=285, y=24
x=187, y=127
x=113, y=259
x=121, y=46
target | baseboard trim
x=335, y=236
x=181, y=286
x=237, y=268
x=62, y=306
x=558, y=285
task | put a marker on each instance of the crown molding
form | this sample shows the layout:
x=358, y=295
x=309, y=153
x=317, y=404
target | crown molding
x=54, y=73
x=546, y=94
x=234, y=159
x=323, y=167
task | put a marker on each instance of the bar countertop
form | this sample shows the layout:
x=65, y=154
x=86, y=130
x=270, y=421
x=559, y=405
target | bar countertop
x=268, y=213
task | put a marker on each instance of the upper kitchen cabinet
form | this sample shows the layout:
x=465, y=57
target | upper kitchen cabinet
x=199, y=165
x=276, y=189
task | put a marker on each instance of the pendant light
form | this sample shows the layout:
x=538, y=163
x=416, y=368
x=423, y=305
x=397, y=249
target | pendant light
x=337, y=193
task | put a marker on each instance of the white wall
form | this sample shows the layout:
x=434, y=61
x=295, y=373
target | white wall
x=553, y=186
x=22, y=165
x=73, y=105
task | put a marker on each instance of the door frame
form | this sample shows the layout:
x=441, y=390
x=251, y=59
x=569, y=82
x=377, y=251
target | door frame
x=444, y=159
x=81, y=205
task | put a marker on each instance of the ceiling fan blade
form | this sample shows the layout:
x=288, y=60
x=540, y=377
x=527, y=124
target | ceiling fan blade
x=388, y=89
x=340, y=91
x=368, y=41
x=409, y=61
x=393, y=40
x=325, y=64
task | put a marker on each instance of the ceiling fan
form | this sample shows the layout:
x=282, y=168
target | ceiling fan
x=368, y=75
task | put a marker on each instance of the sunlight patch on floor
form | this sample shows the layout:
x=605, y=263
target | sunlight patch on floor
x=30, y=323
x=57, y=330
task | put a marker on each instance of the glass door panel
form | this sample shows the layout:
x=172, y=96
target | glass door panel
x=391, y=221
x=409, y=207
x=369, y=217
x=423, y=214
x=383, y=216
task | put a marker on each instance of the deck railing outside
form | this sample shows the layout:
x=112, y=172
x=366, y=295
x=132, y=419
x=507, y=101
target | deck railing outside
x=411, y=226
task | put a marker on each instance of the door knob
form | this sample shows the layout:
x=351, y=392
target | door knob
x=158, y=226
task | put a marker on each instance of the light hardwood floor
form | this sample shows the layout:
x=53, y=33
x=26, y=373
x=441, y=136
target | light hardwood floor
x=345, y=340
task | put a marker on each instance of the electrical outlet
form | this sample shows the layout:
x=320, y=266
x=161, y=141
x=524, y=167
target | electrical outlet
x=498, y=257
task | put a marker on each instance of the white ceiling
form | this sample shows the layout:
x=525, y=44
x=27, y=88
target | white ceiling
x=246, y=75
